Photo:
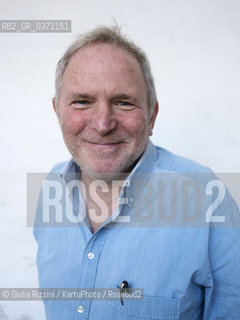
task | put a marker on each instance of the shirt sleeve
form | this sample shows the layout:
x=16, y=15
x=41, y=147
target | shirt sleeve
x=222, y=293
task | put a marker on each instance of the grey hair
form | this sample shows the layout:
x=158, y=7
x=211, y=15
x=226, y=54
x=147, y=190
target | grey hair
x=113, y=36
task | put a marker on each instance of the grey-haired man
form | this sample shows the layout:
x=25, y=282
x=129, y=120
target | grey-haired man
x=106, y=105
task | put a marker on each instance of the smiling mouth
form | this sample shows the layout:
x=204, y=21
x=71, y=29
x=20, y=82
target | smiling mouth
x=104, y=146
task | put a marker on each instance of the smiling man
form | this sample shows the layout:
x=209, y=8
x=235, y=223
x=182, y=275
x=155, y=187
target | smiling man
x=124, y=232
x=103, y=110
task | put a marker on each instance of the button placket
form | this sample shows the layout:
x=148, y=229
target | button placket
x=88, y=276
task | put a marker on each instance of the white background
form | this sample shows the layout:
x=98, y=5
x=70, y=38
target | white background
x=194, y=50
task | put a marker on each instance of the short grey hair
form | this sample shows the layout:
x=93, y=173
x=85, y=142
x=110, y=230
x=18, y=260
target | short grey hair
x=113, y=36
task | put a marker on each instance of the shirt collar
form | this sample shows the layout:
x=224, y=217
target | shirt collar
x=146, y=162
x=140, y=174
x=69, y=169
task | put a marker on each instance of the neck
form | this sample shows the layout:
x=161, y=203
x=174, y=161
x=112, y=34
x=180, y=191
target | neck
x=101, y=198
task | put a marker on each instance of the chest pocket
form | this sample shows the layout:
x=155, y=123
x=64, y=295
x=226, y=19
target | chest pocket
x=150, y=307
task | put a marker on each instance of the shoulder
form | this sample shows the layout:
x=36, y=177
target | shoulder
x=166, y=160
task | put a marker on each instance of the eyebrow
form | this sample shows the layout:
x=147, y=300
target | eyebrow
x=123, y=96
x=80, y=96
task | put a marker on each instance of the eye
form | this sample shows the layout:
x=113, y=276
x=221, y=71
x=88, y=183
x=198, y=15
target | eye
x=125, y=105
x=80, y=104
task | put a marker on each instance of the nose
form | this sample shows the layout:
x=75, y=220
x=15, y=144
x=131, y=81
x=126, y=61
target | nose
x=103, y=120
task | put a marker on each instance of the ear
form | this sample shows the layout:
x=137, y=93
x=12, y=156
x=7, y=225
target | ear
x=153, y=118
x=54, y=105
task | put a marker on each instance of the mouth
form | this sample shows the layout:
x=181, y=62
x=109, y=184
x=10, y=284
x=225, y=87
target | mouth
x=104, y=146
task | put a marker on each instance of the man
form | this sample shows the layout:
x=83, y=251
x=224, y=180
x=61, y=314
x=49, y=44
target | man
x=134, y=215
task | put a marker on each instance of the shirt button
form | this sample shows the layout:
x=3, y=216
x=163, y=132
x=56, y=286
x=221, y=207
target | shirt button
x=90, y=255
x=80, y=309
x=127, y=183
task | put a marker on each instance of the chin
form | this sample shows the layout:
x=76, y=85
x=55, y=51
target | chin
x=106, y=173
x=108, y=170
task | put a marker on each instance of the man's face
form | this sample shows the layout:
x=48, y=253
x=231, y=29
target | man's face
x=103, y=111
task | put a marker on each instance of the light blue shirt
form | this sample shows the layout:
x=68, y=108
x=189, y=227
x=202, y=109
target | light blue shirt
x=158, y=240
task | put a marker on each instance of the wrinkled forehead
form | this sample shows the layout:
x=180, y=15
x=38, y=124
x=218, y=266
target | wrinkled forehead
x=95, y=64
x=104, y=56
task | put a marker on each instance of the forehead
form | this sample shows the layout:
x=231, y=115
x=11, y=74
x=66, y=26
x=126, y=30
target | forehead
x=111, y=63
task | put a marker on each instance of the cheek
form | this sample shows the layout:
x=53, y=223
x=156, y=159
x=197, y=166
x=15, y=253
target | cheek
x=135, y=126
x=73, y=122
